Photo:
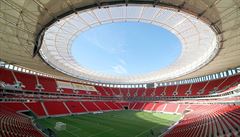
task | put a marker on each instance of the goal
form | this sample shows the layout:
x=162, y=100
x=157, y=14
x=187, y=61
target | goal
x=60, y=126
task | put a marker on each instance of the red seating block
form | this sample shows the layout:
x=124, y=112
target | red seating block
x=171, y=107
x=148, y=106
x=48, y=84
x=29, y=81
x=55, y=107
x=90, y=106
x=138, y=106
x=158, y=107
x=113, y=106
x=102, y=106
x=75, y=107
x=6, y=76
x=37, y=108
x=12, y=106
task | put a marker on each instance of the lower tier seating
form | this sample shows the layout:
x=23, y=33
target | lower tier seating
x=75, y=107
x=36, y=107
x=102, y=106
x=55, y=108
x=90, y=106
x=15, y=125
x=205, y=120
x=209, y=121
x=113, y=106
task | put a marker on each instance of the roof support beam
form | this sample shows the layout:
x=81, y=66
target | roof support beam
x=181, y=6
x=70, y=5
x=208, y=7
x=98, y=3
x=126, y=2
x=156, y=2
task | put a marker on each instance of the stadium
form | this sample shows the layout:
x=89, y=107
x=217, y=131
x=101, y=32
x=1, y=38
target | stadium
x=119, y=68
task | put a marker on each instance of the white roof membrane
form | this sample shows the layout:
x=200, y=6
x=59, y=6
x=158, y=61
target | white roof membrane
x=199, y=42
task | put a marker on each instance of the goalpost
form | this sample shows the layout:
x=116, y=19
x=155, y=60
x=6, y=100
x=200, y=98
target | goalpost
x=60, y=126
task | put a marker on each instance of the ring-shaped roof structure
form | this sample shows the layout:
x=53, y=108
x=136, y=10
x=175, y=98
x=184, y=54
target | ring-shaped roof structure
x=23, y=21
x=199, y=41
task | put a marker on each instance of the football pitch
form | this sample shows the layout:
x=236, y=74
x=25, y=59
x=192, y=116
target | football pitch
x=112, y=124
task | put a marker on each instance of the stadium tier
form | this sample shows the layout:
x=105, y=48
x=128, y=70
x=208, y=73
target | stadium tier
x=50, y=85
x=119, y=68
x=208, y=120
x=197, y=119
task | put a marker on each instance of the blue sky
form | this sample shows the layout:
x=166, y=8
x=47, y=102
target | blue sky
x=126, y=48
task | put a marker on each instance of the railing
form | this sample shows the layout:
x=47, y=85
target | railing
x=26, y=95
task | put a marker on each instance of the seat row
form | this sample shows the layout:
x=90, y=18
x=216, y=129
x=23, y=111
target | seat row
x=46, y=84
x=49, y=108
x=209, y=121
x=15, y=125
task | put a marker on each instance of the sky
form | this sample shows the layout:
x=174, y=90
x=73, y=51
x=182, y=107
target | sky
x=126, y=48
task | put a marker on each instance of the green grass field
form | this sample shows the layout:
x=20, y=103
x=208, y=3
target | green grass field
x=112, y=124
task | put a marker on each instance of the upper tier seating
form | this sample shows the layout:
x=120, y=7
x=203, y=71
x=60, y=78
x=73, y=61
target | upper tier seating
x=169, y=90
x=140, y=92
x=29, y=81
x=150, y=92
x=159, y=91
x=124, y=92
x=228, y=82
x=108, y=91
x=67, y=91
x=101, y=91
x=182, y=89
x=132, y=91
x=212, y=86
x=48, y=84
x=195, y=89
x=7, y=76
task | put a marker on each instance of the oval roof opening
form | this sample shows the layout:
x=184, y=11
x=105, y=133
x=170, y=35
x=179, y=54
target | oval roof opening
x=126, y=48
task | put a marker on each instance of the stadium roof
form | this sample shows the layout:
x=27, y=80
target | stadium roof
x=199, y=44
x=23, y=23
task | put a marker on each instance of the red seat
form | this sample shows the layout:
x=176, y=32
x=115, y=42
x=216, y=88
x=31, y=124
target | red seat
x=55, y=108
x=6, y=76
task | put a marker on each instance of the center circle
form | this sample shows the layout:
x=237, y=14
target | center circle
x=126, y=48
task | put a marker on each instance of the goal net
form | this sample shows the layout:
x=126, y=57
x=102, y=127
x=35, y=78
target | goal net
x=60, y=126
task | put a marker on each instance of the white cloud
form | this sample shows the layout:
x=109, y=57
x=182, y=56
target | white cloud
x=95, y=42
x=122, y=61
x=119, y=69
x=116, y=44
